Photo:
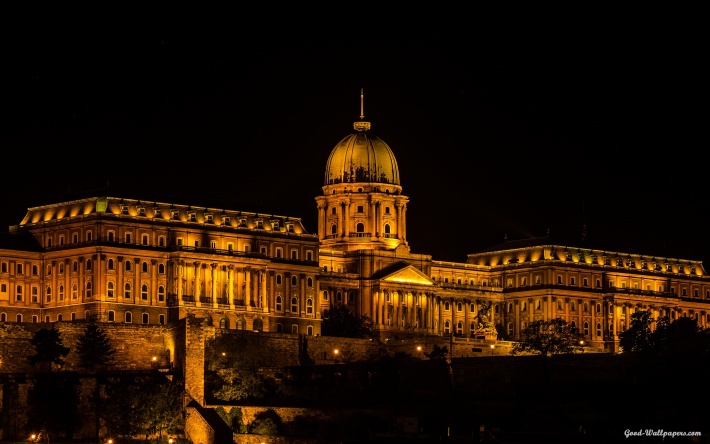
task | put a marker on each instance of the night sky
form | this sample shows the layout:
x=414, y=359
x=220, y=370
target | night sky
x=501, y=127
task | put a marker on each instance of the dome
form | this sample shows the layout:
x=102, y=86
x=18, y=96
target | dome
x=361, y=157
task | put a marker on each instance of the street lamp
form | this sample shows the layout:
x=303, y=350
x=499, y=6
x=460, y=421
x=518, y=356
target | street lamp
x=493, y=346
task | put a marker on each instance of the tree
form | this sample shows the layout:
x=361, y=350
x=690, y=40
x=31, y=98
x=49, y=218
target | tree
x=547, y=338
x=49, y=348
x=341, y=322
x=638, y=338
x=437, y=353
x=147, y=405
x=94, y=348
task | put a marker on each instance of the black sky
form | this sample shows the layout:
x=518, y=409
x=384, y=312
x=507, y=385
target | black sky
x=501, y=126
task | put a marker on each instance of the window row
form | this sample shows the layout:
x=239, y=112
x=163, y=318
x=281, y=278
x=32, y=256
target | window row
x=127, y=317
x=294, y=305
x=88, y=292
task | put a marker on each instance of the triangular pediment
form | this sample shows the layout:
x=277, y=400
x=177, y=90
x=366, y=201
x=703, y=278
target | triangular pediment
x=403, y=273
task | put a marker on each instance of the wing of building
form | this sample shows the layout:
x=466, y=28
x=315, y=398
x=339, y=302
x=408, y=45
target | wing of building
x=116, y=259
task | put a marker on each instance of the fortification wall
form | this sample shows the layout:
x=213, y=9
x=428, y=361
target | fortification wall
x=135, y=345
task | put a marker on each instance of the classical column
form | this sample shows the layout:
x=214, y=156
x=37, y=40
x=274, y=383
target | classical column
x=153, y=282
x=230, y=285
x=180, y=271
x=136, y=280
x=213, y=282
x=346, y=210
x=264, y=299
x=196, y=290
x=321, y=221
x=374, y=228
x=120, y=285
x=247, y=288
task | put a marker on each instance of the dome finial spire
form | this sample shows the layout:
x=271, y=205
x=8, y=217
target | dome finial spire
x=362, y=125
x=362, y=103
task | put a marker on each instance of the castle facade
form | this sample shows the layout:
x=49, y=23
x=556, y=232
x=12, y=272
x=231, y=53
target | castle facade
x=125, y=260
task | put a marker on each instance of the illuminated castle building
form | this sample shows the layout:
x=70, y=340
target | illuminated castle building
x=136, y=261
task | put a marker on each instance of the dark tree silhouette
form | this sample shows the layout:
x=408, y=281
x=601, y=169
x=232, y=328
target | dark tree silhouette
x=638, y=338
x=94, y=348
x=547, y=338
x=49, y=348
x=341, y=322
x=437, y=353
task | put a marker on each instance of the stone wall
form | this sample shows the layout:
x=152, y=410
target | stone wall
x=135, y=345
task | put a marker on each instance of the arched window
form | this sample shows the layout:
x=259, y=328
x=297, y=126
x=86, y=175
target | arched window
x=294, y=329
x=48, y=294
x=127, y=290
x=309, y=282
x=278, y=279
x=74, y=291
x=61, y=292
x=309, y=306
x=459, y=306
x=447, y=326
x=88, y=289
x=510, y=308
x=388, y=230
x=127, y=265
x=128, y=318
x=161, y=268
x=161, y=319
x=161, y=293
x=559, y=304
x=144, y=318
x=599, y=329
x=88, y=265
x=334, y=229
x=294, y=281
x=61, y=268
x=294, y=305
x=447, y=306
x=110, y=265
x=325, y=295
x=144, y=292
x=109, y=289
x=75, y=266
x=144, y=267
x=309, y=330
x=278, y=303
x=111, y=316
x=360, y=227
